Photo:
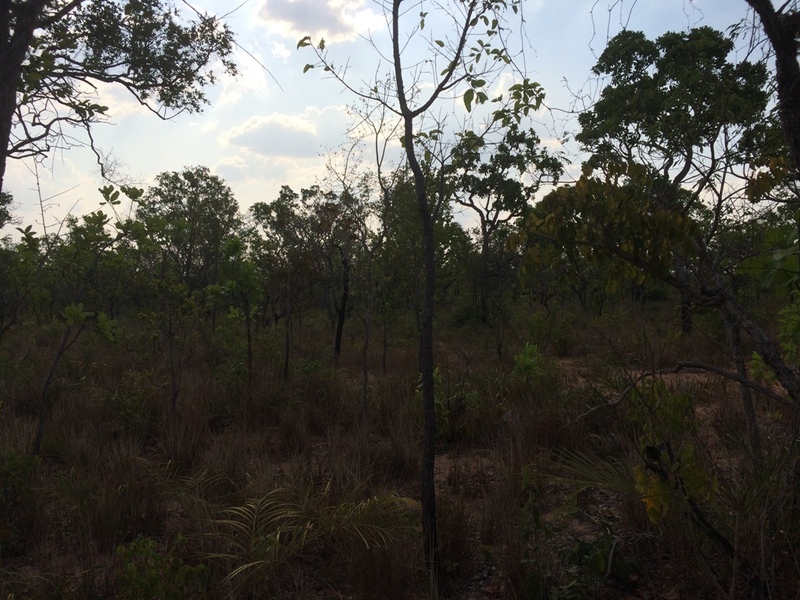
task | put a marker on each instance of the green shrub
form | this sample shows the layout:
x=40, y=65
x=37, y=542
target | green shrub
x=147, y=573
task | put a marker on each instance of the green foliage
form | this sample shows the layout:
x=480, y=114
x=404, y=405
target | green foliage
x=529, y=363
x=6, y=201
x=667, y=421
x=75, y=315
x=18, y=507
x=150, y=48
x=134, y=403
x=625, y=221
x=653, y=101
x=588, y=564
x=458, y=408
x=789, y=334
x=190, y=216
x=775, y=263
x=145, y=572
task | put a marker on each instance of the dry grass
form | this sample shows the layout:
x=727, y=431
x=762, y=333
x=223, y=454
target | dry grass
x=286, y=491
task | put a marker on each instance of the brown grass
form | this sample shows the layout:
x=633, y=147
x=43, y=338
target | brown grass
x=535, y=474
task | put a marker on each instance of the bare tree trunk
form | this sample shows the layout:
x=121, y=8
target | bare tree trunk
x=341, y=309
x=735, y=340
x=287, y=323
x=426, y=369
x=44, y=398
x=782, y=30
x=365, y=355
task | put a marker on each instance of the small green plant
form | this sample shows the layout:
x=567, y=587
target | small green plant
x=529, y=363
x=457, y=409
x=147, y=573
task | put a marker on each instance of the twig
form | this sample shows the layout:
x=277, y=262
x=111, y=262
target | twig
x=683, y=365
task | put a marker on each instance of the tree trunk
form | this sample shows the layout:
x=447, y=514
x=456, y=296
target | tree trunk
x=426, y=369
x=341, y=309
x=735, y=339
x=782, y=30
x=287, y=324
x=13, y=50
x=365, y=355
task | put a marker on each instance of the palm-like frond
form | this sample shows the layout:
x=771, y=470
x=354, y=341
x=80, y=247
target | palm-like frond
x=258, y=537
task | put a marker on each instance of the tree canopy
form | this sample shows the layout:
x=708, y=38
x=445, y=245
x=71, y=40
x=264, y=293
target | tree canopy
x=55, y=53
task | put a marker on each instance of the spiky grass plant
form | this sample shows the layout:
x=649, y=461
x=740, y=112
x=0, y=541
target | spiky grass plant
x=261, y=537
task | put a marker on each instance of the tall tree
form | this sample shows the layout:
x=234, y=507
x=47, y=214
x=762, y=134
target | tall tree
x=497, y=180
x=471, y=50
x=191, y=215
x=684, y=124
x=54, y=54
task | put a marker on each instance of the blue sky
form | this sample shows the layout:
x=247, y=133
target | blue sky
x=264, y=129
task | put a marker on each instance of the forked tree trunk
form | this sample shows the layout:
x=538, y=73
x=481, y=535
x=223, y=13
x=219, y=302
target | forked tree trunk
x=427, y=484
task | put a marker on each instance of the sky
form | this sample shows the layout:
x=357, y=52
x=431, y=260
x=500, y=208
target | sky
x=275, y=125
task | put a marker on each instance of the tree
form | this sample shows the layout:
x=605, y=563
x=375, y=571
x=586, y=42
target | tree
x=54, y=54
x=191, y=215
x=782, y=27
x=461, y=66
x=497, y=181
x=684, y=124
x=284, y=222
x=668, y=178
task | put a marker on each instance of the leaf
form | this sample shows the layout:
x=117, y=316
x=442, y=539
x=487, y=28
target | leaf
x=306, y=41
x=307, y=68
x=468, y=97
x=74, y=313
x=439, y=43
x=321, y=45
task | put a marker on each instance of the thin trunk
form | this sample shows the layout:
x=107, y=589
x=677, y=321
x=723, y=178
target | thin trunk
x=427, y=481
x=44, y=398
x=735, y=340
x=341, y=310
x=385, y=328
x=249, y=327
x=686, y=304
x=287, y=324
x=365, y=355
x=484, y=284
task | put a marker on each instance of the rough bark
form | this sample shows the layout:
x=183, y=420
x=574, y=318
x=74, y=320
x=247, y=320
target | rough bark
x=782, y=29
x=18, y=22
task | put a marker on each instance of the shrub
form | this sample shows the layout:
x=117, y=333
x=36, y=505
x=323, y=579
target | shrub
x=147, y=573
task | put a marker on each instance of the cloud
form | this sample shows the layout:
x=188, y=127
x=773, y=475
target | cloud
x=253, y=81
x=281, y=135
x=255, y=178
x=334, y=20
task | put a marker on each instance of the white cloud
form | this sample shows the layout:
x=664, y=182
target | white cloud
x=256, y=178
x=280, y=51
x=334, y=20
x=251, y=82
x=282, y=135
